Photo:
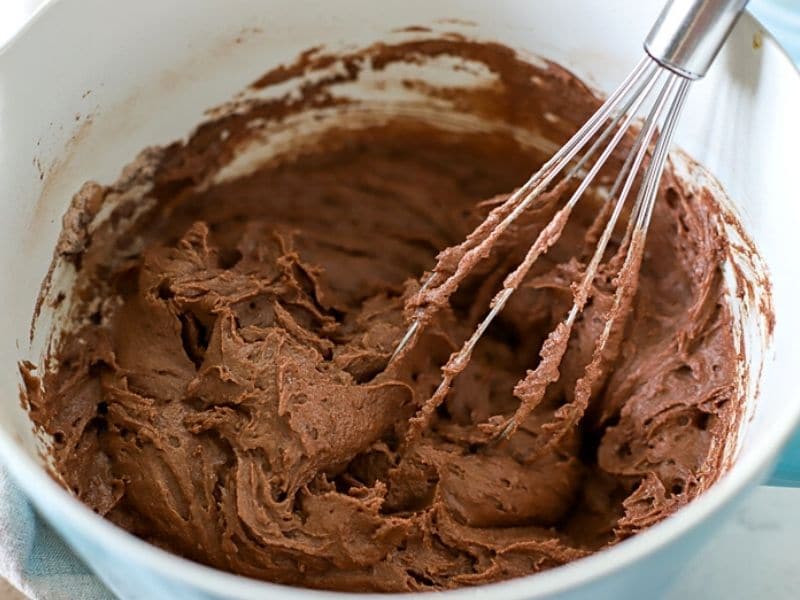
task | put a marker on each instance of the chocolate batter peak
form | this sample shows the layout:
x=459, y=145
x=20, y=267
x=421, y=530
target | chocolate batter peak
x=224, y=391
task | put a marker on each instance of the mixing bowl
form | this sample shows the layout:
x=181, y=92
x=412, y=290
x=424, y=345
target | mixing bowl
x=88, y=83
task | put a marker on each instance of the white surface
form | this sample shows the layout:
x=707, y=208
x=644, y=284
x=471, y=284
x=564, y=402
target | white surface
x=756, y=553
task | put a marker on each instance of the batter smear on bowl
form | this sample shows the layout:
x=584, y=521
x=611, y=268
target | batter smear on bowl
x=223, y=392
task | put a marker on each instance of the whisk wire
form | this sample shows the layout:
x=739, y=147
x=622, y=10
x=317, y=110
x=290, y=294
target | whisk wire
x=640, y=77
x=556, y=344
x=636, y=157
x=613, y=121
x=641, y=217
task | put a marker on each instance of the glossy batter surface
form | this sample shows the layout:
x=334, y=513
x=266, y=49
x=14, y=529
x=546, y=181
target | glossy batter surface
x=225, y=392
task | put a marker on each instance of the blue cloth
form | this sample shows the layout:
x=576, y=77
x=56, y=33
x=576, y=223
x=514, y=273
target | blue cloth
x=33, y=557
x=782, y=19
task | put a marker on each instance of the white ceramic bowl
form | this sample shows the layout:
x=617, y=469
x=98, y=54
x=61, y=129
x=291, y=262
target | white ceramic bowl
x=89, y=83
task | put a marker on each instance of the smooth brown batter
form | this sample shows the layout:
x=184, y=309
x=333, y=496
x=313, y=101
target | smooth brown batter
x=225, y=393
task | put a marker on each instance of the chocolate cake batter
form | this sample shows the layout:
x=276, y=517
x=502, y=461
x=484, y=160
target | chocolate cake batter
x=225, y=391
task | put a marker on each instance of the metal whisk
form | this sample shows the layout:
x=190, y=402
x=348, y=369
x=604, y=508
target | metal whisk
x=679, y=49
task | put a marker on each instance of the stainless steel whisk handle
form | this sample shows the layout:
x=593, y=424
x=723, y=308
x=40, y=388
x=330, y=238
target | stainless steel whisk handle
x=688, y=34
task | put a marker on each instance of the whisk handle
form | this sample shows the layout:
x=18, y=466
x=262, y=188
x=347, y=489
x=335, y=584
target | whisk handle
x=688, y=34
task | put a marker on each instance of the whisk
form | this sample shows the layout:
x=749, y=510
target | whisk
x=679, y=49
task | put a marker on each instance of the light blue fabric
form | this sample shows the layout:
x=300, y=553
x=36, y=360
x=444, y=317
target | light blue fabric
x=34, y=558
x=782, y=18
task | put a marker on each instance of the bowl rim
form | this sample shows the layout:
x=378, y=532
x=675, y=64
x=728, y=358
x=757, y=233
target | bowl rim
x=40, y=489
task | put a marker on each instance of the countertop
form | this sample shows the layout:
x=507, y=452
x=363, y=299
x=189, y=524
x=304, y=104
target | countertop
x=755, y=555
